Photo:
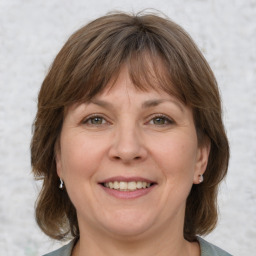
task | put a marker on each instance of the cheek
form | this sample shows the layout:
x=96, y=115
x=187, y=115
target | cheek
x=177, y=156
x=80, y=157
x=80, y=160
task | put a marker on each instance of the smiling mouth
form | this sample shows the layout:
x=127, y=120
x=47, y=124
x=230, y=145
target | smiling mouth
x=127, y=186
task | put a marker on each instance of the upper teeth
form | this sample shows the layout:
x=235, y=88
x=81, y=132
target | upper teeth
x=127, y=186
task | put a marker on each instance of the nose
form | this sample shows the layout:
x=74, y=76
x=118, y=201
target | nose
x=128, y=145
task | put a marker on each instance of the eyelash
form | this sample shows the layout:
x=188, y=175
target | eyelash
x=89, y=119
x=167, y=120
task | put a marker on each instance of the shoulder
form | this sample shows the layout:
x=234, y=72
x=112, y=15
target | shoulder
x=208, y=249
x=63, y=251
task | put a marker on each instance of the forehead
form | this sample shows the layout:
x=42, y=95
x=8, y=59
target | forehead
x=142, y=73
x=123, y=87
x=122, y=90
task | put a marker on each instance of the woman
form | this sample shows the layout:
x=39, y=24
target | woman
x=129, y=141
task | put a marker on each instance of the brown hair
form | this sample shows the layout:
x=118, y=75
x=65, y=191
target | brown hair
x=86, y=63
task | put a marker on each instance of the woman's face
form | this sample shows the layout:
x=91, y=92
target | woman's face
x=128, y=160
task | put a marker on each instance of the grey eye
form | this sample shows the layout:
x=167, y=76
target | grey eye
x=159, y=120
x=96, y=120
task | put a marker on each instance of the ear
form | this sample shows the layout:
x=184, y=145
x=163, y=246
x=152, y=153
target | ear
x=57, y=153
x=202, y=160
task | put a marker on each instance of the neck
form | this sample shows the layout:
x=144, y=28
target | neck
x=159, y=245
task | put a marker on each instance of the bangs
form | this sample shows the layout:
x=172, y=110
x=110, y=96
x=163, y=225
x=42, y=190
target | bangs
x=148, y=64
x=149, y=70
x=146, y=70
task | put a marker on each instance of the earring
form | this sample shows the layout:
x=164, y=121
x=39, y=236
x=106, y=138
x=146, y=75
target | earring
x=201, y=178
x=61, y=186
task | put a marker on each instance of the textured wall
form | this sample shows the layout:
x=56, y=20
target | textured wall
x=31, y=33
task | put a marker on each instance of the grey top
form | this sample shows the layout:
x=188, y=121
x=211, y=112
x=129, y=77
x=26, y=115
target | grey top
x=207, y=249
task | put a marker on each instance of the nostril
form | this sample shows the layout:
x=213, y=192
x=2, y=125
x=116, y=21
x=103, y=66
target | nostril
x=118, y=157
x=127, y=153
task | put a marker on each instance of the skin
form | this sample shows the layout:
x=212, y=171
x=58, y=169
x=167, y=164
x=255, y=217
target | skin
x=129, y=133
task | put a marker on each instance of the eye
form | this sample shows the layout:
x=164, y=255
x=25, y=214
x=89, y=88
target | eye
x=95, y=120
x=161, y=120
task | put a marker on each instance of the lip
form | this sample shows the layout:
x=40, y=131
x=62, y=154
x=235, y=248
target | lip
x=127, y=194
x=126, y=179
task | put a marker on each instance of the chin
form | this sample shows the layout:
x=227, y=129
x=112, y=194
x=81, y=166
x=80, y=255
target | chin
x=128, y=224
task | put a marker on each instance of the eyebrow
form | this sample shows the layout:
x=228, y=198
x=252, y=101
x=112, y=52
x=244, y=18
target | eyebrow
x=152, y=103
x=145, y=104
x=156, y=102
x=101, y=103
